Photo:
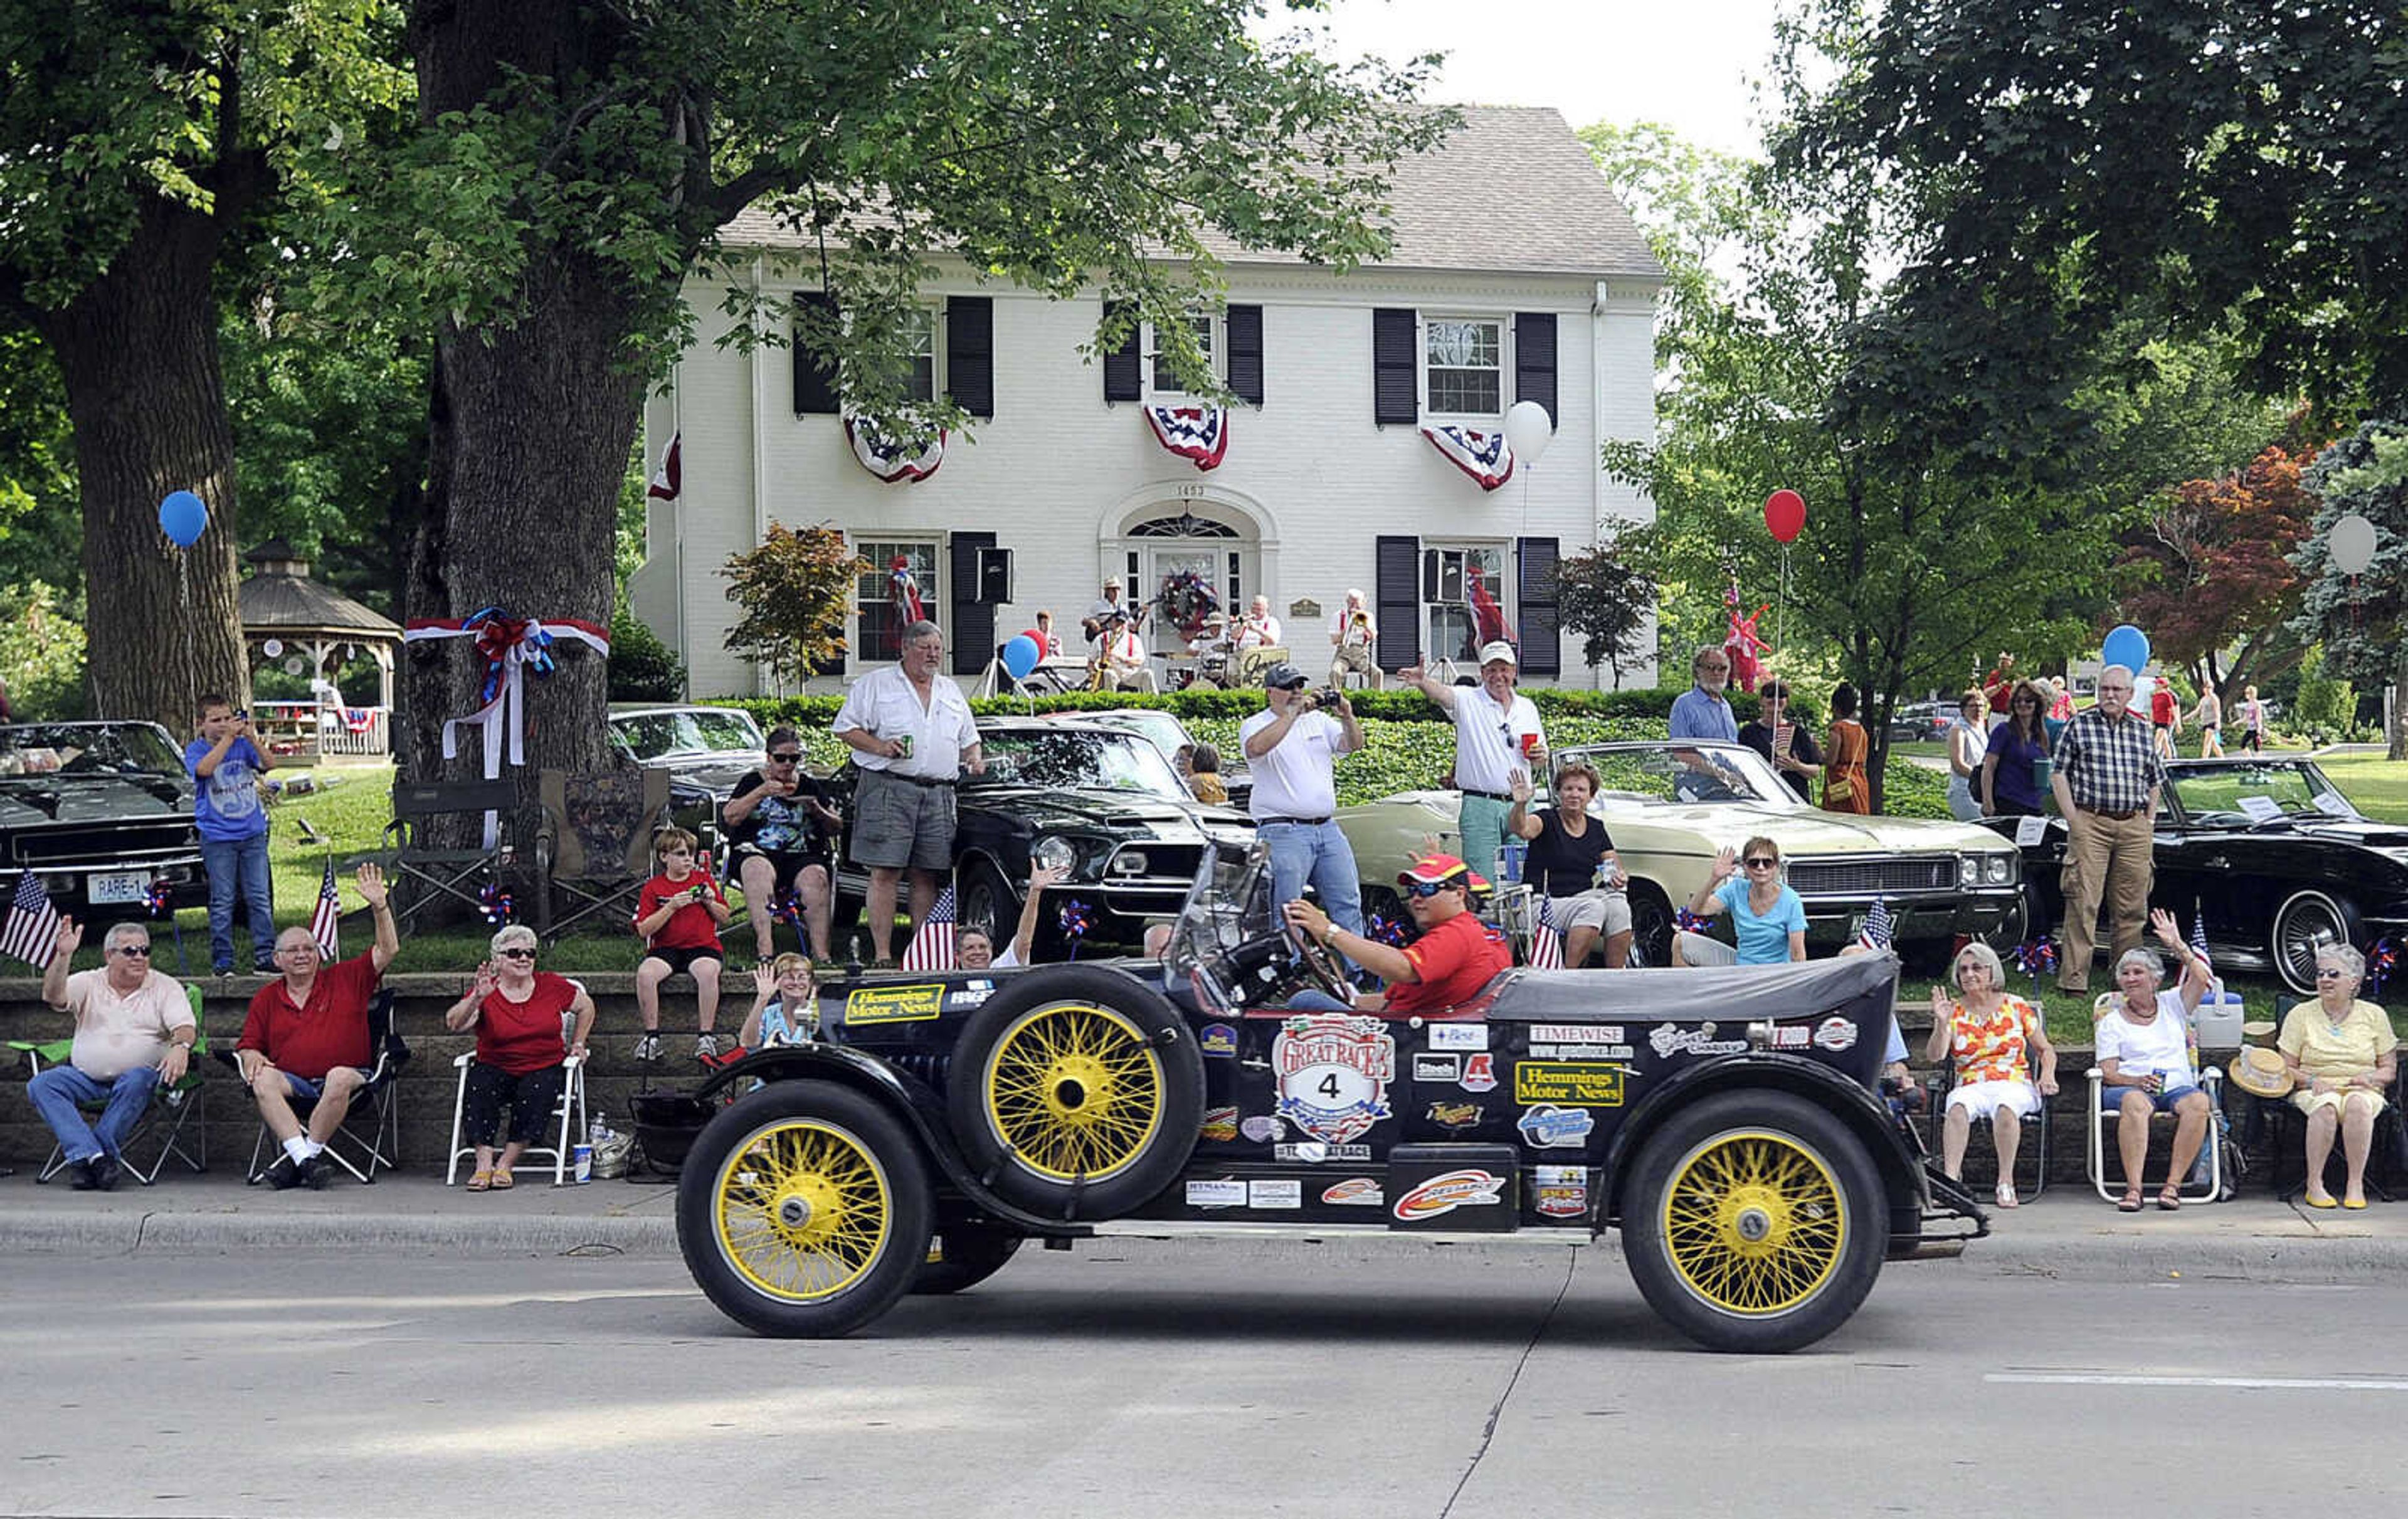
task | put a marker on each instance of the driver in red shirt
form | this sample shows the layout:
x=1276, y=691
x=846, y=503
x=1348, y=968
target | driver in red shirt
x=1455, y=955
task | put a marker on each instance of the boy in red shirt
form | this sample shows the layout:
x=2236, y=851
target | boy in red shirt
x=679, y=914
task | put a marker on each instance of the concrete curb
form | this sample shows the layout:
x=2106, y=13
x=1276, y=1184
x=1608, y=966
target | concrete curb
x=67, y=1231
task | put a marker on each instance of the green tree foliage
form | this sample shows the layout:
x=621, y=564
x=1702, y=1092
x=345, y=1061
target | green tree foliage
x=642, y=667
x=2360, y=620
x=41, y=653
x=2209, y=570
x=38, y=515
x=2205, y=165
x=1607, y=596
x=796, y=590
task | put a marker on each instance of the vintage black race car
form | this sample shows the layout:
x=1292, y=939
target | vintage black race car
x=2272, y=853
x=1099, y=801
x=102, y=813
x=1725, y=1121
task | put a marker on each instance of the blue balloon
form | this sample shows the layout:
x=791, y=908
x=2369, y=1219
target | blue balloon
x=183, y=518
x=2126, y=646
x=1020, y=657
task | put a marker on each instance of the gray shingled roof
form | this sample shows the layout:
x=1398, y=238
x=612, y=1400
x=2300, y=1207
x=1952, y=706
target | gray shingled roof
x=1513, y=191
x=278, y=603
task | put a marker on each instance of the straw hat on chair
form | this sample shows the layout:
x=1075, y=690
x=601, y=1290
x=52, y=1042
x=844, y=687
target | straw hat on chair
x=2260, y=1073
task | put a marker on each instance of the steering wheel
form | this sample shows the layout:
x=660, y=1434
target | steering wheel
x=1319, y=964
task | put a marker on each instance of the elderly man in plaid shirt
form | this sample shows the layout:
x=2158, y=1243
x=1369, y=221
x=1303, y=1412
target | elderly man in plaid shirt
x=2106, y=780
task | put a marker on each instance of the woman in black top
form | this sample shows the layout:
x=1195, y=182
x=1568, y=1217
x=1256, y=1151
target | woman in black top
x=1567, y=847
x=1801, y=758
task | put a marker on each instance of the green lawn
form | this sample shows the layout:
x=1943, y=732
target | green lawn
x=2379, y=786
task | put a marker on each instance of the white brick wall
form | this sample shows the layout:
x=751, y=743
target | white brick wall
x=1057, y=474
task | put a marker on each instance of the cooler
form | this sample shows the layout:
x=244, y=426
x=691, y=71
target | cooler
x=2218, y=1020
x=1453, y=1188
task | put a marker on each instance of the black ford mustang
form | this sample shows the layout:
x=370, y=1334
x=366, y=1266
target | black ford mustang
x=2279, y=861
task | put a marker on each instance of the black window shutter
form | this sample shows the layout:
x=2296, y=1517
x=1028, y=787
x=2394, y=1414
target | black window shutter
x=815, y=389
x=1121, y=382
x=1396, y=563
x=1244, y=325
x=970, y=353
x=1395, y=396
x=1542, y=651
x=1534, y=359
x=973, y=622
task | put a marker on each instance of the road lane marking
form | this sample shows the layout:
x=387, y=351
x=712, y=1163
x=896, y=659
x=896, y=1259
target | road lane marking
x=2102, y=1378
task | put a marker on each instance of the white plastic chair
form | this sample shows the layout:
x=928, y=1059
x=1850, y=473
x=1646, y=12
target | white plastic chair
x=570, y=1113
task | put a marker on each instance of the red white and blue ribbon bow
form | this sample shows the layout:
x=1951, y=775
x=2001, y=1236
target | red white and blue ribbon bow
x=891, y=457
x=2381, y=960
x=1483, y=456
x=1192, y=432
x=511, y=646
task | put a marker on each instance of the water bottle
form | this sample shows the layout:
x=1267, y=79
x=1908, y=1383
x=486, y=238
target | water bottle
x=597, y=1132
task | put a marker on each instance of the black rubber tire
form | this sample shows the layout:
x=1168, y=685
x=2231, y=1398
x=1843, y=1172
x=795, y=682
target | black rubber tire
x=1164, y=1088
x=972, y=1253
x=1650, y=924
x=2304, y=918
x=1838, y=1174
x=988, y=899
x=872, y=1148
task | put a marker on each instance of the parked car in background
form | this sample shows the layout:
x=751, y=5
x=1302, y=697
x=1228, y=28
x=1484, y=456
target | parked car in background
x=2278, y=860
x=99, y=812
x=1168, y=734
x=1921, y=722
x=706, y=749
x=1670, y=805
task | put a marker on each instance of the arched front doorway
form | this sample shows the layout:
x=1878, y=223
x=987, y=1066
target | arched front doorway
x=1219, y=542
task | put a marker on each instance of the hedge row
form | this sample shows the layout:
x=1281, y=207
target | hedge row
x=1195, y=706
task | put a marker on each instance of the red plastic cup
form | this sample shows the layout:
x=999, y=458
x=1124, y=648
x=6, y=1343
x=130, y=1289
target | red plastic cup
x=1529, y=745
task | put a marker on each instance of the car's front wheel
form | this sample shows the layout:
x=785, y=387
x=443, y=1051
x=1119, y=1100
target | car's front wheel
x=1650, y=924
x=1754, y=1222
x=803, y=1211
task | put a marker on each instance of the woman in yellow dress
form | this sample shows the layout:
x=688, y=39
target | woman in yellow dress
x=2341, y=1055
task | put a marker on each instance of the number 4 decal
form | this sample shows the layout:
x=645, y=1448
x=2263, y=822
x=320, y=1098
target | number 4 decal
x=1328, y=1088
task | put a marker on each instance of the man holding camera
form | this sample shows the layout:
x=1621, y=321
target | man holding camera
x=233, y=823
x=1291, y=749
x=1496, y=732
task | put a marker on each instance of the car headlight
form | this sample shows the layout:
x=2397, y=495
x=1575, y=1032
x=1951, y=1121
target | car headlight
x=1969, y=870
x=1999, y=868
x=1054, y=853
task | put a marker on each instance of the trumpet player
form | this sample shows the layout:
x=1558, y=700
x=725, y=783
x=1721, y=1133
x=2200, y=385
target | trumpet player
x=1353, y=636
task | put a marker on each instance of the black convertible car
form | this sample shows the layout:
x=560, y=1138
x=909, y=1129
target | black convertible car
x=101, y=813
x=2271, y=852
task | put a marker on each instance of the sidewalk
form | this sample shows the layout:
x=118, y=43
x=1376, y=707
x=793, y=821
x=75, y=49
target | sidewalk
x=2067, y=1232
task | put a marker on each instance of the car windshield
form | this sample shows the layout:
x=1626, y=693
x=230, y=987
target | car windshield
x=1228, y=903
x=1080, y=761
x=1683, y=774
x=1161, y=727
x=71, y=749
x=2251, y=791
x=651, y=736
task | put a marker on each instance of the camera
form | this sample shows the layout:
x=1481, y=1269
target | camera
x=242, y=714
x=1328, y=697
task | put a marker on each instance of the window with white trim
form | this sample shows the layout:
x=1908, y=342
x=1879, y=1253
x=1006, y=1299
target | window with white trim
x=876, y=636
x=1207, y=338
x=1463, y=366
x=920, y=352
x=1453, y=581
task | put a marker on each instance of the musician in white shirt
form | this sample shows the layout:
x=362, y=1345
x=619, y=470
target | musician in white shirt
x=1352, y=635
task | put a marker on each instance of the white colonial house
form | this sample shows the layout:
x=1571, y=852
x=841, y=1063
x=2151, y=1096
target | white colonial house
x=1369, y=402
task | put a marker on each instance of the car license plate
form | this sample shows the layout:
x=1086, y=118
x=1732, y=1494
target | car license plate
x=118, y=886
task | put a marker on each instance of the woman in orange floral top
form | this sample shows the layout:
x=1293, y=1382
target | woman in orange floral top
x=1991, y=1036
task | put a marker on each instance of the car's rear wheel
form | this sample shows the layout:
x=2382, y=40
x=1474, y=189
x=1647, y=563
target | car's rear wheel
x=2305, y=923
x=803, y=1211
x=962, y=1257
x=1754, y=1222
x=1079, y=1089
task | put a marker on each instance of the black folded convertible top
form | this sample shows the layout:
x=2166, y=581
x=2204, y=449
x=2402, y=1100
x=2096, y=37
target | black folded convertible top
x=1726, y=994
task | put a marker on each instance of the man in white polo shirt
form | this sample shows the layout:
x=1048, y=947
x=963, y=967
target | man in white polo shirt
x=1292, y=751
x=133, y=1030
x=1496, y=732
x=912, y=737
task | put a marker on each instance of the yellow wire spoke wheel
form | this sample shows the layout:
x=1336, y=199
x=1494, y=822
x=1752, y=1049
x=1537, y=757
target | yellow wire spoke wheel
x=1754, y=1222
x=1075, y=1091
x=803, y=1208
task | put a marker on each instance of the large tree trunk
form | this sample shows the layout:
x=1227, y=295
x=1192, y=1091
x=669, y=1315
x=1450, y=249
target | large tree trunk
x=137, y=351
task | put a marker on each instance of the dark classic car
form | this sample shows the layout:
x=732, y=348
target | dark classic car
x=2270, y=852
x=1098, y=801
x=706, y=749
x=99, y=811
x=1725, y=1121
x=1168, y=734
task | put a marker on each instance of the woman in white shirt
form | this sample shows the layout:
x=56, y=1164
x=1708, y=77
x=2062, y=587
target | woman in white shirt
x=2144, y=1061
x=1968, y=745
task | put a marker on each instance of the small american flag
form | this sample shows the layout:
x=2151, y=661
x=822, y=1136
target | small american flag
x=1546, y=943
x=2198, y=939
x=32, y=933
x=323, y=917
x=932, y=947
x=1875, y=934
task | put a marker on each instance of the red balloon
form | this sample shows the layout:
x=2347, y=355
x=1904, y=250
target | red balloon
x=1785, y=515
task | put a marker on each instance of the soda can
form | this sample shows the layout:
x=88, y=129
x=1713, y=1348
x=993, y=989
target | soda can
x=904, y=741
x=580, y=1164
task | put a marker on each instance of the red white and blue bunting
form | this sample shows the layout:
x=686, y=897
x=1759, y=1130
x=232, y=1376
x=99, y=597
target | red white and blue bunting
x=891, y=458
x=511, y=646
x=1481, y=455
x=1197, y=433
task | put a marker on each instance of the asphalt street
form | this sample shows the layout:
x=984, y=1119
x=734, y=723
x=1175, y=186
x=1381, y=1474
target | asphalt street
x=1157, y=1380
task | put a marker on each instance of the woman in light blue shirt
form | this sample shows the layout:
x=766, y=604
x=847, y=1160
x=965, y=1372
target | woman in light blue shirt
x=1770, y=917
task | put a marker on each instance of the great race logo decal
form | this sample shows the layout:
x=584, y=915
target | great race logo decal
x=1447, y=1192
x=1333, y=1072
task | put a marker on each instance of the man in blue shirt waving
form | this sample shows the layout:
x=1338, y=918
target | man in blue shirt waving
x=233, y=823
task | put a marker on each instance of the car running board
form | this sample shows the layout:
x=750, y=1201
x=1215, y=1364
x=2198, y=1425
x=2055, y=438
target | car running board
x=1139, y=1229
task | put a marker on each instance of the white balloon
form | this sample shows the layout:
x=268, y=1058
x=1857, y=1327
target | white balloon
x=1528, y=431
x=2350, y=545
